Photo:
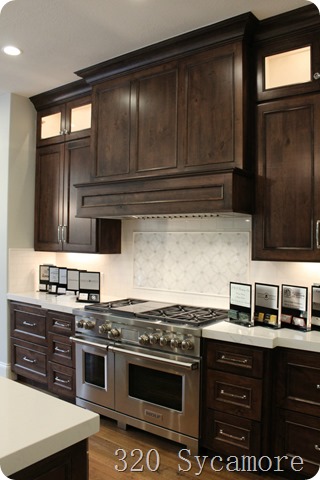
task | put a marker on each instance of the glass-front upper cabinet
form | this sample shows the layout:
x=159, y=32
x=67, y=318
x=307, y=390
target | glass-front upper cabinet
x=288, y=68
x=61, y=123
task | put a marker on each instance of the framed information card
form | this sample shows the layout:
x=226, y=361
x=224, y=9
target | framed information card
x=266, y=305
x=315, y=307
x=240, y=310
x=294, y=310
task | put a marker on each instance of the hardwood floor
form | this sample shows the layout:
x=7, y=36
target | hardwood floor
x=105, y=464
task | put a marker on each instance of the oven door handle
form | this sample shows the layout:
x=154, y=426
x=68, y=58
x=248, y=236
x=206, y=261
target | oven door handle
x=186, y=365
x=86, y=342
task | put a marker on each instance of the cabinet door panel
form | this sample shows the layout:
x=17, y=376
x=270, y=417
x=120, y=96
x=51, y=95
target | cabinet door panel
x=234, y=394
x=29, y=360
x=49, y=197
x=80, y=233
x=298, y=381
x=235, y=358
x=213, y=109
x=231, y=435
x=288, y=174
x=297, y=435
x=111, y=129
x=157, y=117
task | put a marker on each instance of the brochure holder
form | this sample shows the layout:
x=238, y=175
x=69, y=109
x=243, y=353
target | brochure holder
x=294, y=311
x=240, y=310
x=266, y=305
x=89, y=287
x=315, y=307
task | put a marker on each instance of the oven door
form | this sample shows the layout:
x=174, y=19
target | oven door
x=158, y=388
x=94, y=372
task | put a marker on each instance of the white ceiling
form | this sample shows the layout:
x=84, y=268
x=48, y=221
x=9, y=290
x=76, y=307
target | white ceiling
x=59, y=37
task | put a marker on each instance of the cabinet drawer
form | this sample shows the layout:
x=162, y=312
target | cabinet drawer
x=230, y=435
x=234, y=358
x=298, y=383
x=234, y=394
x=60, y=323
x=29, y=360
x=28, y=323
x=299, y=435
x=60, y=350
x=61, y=380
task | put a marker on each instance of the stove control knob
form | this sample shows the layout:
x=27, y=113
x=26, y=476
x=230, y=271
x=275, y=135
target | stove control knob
x=144, y=339
x=164, y=340
x=187, y=345
x=154, y=338
x=115, y=333
x=88, y=325
x=104, y=328
x=175, y=342
x=80, y=323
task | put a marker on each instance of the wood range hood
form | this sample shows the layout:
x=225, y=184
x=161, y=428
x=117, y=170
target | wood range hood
x=206, y=193
x=171, y=125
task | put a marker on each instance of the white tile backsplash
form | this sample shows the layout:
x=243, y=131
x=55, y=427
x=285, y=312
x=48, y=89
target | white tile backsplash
x=189, y=260
x=194, y=262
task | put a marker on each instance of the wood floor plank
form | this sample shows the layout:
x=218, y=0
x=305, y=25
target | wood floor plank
x=103, y=461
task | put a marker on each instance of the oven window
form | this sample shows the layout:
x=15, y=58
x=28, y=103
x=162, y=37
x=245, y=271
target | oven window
x=155, y=386
x=94, y=370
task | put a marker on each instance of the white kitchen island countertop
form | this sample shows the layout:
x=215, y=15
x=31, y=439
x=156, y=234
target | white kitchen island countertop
x=35, y=425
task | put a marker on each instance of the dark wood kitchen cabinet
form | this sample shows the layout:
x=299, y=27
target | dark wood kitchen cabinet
x=63, y=160
x=135, y=124
x=287, y=213
x=288, y=60
x=170, y=126
x=287, y=219
x=61, y=355
x=236, y=399
x=41, y=352
x=297, y=418
x=64, y=122
x=181, y=116
x=29, y=352
x=70, y=463
x=58, y=168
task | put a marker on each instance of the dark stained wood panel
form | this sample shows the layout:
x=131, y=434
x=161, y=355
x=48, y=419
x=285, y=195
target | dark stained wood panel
x=288, y=189
x=111, y=129
x=157, y=121
x=49, y=197
x=287, y=193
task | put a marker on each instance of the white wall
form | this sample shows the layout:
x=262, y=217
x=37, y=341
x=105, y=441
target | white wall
x=17, y=153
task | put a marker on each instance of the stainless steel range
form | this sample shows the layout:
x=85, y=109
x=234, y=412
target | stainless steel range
x=139, y=362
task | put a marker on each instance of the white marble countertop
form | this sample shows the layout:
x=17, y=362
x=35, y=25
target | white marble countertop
x=263, y=336
x=226, y=331
x=35, y=425
x=60, y=303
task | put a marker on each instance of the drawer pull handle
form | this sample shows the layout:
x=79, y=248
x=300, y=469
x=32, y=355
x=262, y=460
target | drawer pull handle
x=29, y=360
x=234, y=360
x=60, y=380
x=233, y=395
x=60, y=324
x=317, y=447
x=233, y=437
x=60, y=350
x=28, y=324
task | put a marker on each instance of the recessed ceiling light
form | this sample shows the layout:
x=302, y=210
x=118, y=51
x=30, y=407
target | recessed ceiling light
x=11, y=50
x=2, y=3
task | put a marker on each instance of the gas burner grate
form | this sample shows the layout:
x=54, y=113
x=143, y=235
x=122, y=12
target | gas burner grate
x=184, y=314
